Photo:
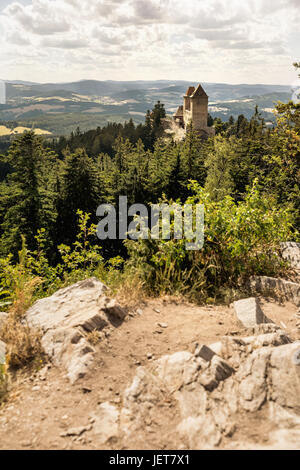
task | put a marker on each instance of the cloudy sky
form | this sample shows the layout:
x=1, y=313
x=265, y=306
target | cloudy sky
x=233, y=41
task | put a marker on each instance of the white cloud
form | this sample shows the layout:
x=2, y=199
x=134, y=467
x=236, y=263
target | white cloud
x=211, y=40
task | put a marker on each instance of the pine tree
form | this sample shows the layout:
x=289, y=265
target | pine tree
x=24, y=197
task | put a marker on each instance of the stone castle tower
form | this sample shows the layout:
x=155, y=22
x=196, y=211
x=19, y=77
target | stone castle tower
x=195, y=111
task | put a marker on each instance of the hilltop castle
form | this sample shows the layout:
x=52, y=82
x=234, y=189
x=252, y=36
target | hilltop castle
x=194, y=110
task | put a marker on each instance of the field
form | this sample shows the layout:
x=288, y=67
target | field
x=6, y=131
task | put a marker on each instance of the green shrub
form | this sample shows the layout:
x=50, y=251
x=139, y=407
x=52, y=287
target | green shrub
x=241, y=239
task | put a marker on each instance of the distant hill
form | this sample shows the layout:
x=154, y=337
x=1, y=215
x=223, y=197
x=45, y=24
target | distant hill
x=61, y=107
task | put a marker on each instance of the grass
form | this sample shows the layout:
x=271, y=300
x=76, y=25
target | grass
x=23, y=344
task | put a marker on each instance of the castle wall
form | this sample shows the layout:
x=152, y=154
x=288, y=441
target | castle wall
x=199, y=112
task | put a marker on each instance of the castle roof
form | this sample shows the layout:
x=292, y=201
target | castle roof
x=179, y=112
x=190, y=90
x=199, y=92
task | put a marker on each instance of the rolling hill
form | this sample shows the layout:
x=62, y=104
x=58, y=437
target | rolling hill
x=59, y=108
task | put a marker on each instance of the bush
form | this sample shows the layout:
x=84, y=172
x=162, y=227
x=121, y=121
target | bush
x=241, y=239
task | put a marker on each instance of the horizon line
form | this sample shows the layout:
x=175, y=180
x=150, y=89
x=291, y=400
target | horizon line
x=139, y=80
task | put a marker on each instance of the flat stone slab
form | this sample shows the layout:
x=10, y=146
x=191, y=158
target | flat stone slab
x=249, y=312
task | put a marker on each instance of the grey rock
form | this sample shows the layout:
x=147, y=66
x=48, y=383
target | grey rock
x=270, y=373
x=67, y=316
x=105, y=423
x=249, y=312
x=276, y=288
x=285, y=376
x=218, y=371
x=269, y=339
x=177, y=370
x=252, y=391
x=209, y=395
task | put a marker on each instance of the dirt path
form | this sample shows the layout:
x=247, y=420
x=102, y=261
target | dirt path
x=40, y=409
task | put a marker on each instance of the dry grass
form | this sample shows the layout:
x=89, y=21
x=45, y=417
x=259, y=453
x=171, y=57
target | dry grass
x=22, y=297
x=23, y=344
x=131, y=292
x=94, y=337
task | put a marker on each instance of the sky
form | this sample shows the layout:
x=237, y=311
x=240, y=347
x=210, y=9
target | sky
x=225, y=41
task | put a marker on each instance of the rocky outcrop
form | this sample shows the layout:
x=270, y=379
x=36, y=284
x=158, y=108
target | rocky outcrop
x=276, y=288
x=242, y=375
x=66, y=317
x=197, y=400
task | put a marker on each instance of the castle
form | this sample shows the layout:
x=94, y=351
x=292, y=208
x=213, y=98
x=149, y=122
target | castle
x=195, y=111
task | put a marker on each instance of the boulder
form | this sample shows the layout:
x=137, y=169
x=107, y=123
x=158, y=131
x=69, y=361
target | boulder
x=249, y=312
x=67, y=316
x=276, y=288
